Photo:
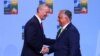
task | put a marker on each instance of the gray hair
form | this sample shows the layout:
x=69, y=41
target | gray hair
x=42, y=5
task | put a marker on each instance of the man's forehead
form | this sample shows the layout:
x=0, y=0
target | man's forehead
x=45, y=7
x=61, y=13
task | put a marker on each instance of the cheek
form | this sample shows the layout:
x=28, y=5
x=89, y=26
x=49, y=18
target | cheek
x=44, y=14
x=60, y=21
x=64, y=20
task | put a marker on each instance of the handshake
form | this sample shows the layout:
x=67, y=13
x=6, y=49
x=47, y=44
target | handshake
x=44, y=49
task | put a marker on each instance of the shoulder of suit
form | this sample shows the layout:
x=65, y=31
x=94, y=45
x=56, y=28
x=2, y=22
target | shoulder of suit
x=71, y=27
x=33, y=20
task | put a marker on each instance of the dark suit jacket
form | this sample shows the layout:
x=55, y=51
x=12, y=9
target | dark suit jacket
x=34, y=38
x=67, y=44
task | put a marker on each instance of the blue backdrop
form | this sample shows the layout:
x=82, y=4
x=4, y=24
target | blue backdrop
x=88, y=25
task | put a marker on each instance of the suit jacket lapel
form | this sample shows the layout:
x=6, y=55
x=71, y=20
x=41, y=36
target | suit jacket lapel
x=58, y=33
x=63, y=31
x=39, y=25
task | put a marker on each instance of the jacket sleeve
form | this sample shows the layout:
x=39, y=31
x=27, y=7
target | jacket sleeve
x=49, y=41
x=51, y=49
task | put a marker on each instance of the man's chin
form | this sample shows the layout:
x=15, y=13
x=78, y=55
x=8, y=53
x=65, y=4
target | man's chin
x=44, y=18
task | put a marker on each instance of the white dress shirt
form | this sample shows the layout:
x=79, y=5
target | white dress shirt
x=40, y=21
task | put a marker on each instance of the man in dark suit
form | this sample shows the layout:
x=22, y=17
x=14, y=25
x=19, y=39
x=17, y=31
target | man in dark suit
x=34, y=37
x=68, y=38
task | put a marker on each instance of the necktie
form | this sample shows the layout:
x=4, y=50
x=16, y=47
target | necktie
x=60, y=31
x=41, y=26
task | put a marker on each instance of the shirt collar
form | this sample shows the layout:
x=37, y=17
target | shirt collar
x=65, y=26
x=40, y=21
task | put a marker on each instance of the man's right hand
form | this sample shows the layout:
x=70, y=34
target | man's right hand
x=44, y=50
